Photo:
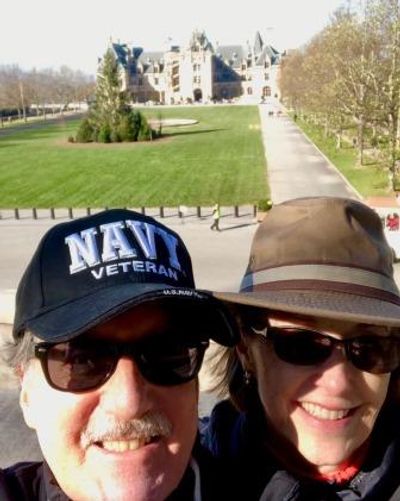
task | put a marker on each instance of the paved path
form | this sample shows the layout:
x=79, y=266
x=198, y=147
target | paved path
x=296, y=168
x=219, y=258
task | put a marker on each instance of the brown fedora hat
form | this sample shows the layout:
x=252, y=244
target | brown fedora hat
x=325, y=257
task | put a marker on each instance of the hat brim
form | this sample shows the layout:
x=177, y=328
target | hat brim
x=75, y=317
x=325, y=304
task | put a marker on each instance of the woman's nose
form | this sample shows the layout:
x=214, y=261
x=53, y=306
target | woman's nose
x=337, y=372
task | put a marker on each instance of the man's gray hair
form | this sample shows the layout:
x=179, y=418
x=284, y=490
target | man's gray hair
x=18, y=352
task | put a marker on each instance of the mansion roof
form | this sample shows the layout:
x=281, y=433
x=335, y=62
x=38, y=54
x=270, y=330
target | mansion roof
x=234, y=56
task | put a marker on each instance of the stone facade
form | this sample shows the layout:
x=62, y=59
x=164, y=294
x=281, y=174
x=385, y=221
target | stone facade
x=199, y=72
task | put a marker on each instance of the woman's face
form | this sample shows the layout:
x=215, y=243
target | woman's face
x=326, y=411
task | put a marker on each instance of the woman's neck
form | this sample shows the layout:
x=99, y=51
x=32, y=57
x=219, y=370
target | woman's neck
x=290, y=458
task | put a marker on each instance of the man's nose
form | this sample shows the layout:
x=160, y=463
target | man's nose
x=126, y=394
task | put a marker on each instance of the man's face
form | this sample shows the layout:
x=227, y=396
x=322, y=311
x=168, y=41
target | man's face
x=326, y=411
x=85, y=437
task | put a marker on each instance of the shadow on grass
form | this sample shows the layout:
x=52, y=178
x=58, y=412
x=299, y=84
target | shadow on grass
x=39, y=134
x=370, y=163
x=38, y=130
x=190, y=132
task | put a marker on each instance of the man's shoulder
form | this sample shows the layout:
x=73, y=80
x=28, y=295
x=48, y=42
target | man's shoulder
x=21, y=481
x=214, y=474
x=219, y=431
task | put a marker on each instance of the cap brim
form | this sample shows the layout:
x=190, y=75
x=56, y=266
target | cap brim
x=325, y=304
x=73, y=318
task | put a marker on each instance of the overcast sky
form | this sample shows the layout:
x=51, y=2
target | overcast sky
x=49, y=33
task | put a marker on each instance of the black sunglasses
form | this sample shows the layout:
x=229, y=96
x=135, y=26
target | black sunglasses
x=369, y=353
x=81, y=365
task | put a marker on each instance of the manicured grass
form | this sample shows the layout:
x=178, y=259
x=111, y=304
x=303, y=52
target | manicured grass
x=369, y=180
x=219, y=159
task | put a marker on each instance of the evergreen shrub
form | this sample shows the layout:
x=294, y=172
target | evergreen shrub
x=104, y=134
x=85, y=132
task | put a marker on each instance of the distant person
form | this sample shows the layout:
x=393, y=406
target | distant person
x=392, y=221
x=216, y=214
x=314, y=410
x=109, y=337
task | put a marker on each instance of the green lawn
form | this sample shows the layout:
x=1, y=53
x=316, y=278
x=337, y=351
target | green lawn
x=219, y=159
x=369, y=180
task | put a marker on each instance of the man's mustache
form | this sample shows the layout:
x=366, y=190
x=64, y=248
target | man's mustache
x=103, y=428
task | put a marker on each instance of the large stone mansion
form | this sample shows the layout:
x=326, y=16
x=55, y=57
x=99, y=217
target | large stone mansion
x=199, y=72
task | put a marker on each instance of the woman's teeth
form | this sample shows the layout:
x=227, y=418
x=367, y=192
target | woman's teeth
x=323, y=413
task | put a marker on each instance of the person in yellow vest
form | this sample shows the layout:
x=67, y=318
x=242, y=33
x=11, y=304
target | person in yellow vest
x=216, y=214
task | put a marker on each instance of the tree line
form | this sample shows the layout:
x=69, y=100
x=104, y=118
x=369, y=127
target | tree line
x=35, y=91
x=347, y=78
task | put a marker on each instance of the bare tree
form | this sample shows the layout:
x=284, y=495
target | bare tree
x=58, y=88
x=15, y=90
x=349, y=73
x=387, y=14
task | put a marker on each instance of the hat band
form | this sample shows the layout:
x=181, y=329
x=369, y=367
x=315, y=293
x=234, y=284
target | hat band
x=321, y=273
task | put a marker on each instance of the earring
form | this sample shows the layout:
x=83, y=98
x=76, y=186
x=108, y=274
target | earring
x=247, y=376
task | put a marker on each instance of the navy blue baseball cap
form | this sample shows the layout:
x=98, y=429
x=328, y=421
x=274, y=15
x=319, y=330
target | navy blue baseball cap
x=86, y=271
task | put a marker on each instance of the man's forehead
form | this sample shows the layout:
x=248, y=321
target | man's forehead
x=149, y=318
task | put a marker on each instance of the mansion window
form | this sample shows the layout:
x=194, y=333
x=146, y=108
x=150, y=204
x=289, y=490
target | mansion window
x=249, y=91
x=196, y=67
x=140, y=81
x=266, y=76
x=266, y=64
x=196, y=80
x=156, y=81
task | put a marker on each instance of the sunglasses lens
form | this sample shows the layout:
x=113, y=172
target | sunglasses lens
x=170, y=364
x=76, y=368
x=301, y=346
x=374, y=354
x=79, y=367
